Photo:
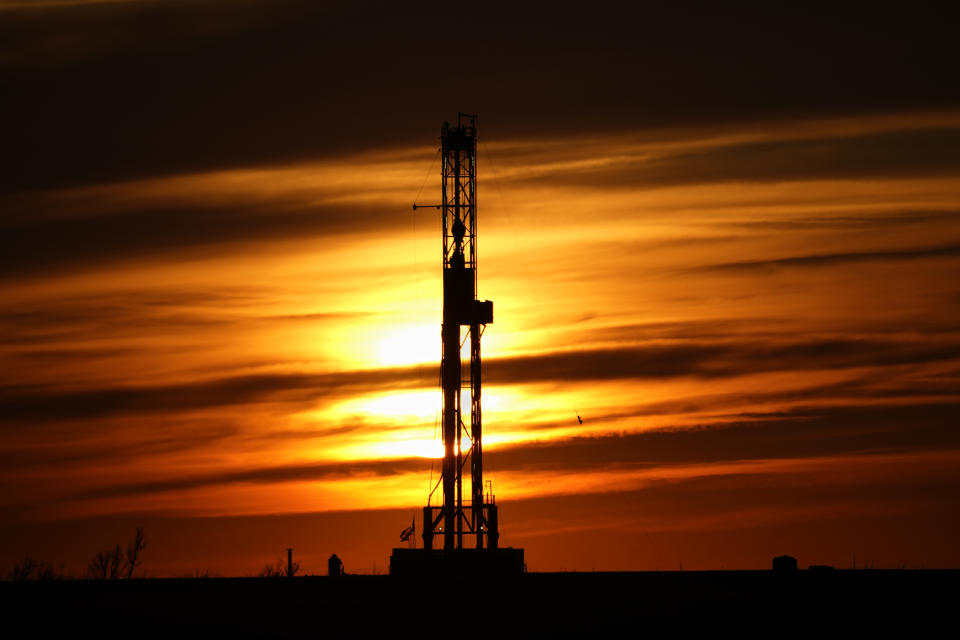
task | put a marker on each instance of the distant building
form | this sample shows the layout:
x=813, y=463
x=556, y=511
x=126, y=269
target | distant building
x=784, y=564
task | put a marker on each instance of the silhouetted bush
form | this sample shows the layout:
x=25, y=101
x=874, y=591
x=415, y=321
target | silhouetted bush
x=279, y=570
x=106, y=564
x=136, y=546
x=197, y=574
x=114, y=563
x=31, y=569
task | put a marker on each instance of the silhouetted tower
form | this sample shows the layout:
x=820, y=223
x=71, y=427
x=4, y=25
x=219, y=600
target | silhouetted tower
x=464, y=320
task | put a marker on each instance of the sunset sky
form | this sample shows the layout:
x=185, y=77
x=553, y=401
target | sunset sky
x=729, y=240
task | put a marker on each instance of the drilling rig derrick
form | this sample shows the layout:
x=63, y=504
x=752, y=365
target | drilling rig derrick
x=469, y=528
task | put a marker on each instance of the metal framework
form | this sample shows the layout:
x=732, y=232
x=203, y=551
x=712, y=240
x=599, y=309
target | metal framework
x=464, y=319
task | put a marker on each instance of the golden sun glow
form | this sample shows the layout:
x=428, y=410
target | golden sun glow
x=409, y=448
x=408, y=345
x=412, y=407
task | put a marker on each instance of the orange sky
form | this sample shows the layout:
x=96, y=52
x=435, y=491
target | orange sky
x=757, y=320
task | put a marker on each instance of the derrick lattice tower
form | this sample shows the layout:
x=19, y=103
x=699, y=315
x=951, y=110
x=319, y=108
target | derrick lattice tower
x=467, y=519
x=471, y=521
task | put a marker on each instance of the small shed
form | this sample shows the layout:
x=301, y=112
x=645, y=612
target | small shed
x=783, y=564
x=334, y=566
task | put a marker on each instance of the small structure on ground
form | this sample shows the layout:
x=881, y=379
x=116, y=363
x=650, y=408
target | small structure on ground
x=783, y=564
x=334, y=566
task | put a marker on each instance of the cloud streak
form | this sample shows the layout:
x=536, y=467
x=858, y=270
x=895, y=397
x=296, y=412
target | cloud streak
x=950, y=251
x=801, y=433
x=188, y=72
x=656, y=361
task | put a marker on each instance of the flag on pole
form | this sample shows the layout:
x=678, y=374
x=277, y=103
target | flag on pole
x=406, y=533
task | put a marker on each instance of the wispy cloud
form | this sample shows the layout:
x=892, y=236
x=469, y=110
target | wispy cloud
x=839, y=259
x=655, y=361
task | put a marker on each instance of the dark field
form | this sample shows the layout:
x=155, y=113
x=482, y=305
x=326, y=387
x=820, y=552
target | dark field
x=531, y=604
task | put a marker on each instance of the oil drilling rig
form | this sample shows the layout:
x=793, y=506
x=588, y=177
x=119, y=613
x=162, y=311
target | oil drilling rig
x=469, y=528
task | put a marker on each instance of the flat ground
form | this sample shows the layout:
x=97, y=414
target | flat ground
x=530, y=604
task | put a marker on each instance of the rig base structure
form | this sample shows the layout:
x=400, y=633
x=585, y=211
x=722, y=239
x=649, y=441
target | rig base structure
x=465, y=562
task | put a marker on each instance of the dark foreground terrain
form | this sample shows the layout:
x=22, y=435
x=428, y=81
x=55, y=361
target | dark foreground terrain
x=531, y=605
